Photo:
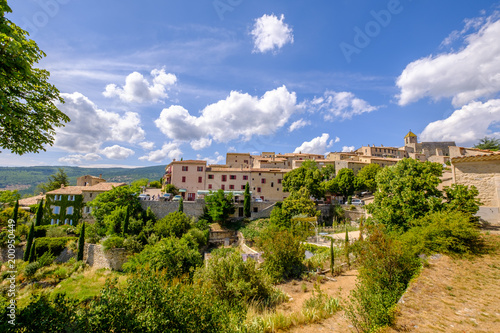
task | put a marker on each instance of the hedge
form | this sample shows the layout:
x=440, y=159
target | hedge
x=54, y=244
x=41, y=230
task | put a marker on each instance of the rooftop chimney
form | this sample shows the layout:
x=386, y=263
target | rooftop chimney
x=62, y=185
x=100, y=176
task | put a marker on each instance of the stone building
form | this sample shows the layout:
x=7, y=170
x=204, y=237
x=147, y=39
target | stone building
x=482, y=171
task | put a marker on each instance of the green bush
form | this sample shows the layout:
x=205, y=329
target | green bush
x=283, y=258
x=113, y=242
x=31, y=269
x=234, y=280
x=196, y=238
x=386, y=268
x=132, y=244
x=56, y=232
x=41, y=230
x=46, y=259
x=173, y=225
x=174, y=255
x=55, y=245
x=444, y=232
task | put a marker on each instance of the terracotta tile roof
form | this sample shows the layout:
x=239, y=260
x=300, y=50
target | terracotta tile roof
x=227, y=169
x=102, y=187
x=190, y=162
x=31, y=200
x=73, y=190
x=492, y=156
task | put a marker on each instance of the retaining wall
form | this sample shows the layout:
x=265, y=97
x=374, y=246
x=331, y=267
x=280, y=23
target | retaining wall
x=95, y=256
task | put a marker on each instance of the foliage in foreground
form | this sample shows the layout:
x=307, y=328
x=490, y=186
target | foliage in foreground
x=386, y=268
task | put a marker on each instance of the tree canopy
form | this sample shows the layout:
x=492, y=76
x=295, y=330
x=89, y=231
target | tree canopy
x=29, y=114
x=406, y=191
x=343, y=183
x=55, y=181
x=118, y=197
x=365, y=179
x=308, y=175
x=488, y=144
x=219, y=206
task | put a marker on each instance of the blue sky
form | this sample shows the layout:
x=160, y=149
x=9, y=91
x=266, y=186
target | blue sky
x=146, y=82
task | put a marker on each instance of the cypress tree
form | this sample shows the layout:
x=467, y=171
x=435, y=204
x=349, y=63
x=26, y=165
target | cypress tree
x=39, y=214
x=29, y=242
x=347, y=248
x=126, y=221
x=181, y=205
x=81, y=243
x=15, y=213
x=32, y=256
x=246, y=201
x=332, y=257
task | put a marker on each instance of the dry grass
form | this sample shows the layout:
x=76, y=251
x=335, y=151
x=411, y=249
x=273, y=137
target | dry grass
x=454, y=295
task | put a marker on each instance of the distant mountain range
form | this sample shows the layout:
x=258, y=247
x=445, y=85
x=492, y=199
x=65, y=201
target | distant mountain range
x=25, y=179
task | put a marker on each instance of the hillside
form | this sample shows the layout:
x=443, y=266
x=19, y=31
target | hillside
x=27, y=178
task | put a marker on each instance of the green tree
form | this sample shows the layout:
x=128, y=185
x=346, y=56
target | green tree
x=246, y=201
x=308, y=175
x=15, y=214
x=461, y=198
x=219, y=206
x=81, y=243
x=345, y=182
x=169, y=188
x=332, y=258
x=118, y=197
x=366, y=177
x=32, y=255
x=8, y=197
x=181, y=206
x=29, y=242
x=406, y=191
x=299, y=203
x=55, y=181
x=39, y=214
x=137, y=184
x=174, y=224
x=29, y=115
x=155, y=184
x=126, y=221
x=488, y=144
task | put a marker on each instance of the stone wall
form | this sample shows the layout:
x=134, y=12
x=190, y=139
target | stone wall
x=95, y=256
x=163, y=208
x=429, y=148
x=485, y=176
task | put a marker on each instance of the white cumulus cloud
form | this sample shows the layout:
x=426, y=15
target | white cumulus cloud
x=466, y=125
x=117, y=152
x=147, y=145
x=239, y=116
x=138, y=90
x=318, y=145
x=270, y=33
x=90, y=126
x=298, y=124
x=348, y=149
x=471, y=73
x=169, y=150
x=340, y=105
x=79, y=158
x=217, y=159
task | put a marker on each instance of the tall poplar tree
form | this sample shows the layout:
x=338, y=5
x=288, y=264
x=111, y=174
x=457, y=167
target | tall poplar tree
x=29, y=242
x=246, y=201
x=81, y=243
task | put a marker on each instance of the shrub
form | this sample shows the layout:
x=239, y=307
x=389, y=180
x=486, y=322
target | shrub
x=171, y=254
x=444, y=232
x=56, y=232
x=234, y=280
x=60, y=273
x=113, y=242
x=174, y=224
x=55, y=245
x=46, y=259
x=386, y=268
x=31, y=269
x=197, y=238
x=132, y=244
x=41, y=230
x=283, y=258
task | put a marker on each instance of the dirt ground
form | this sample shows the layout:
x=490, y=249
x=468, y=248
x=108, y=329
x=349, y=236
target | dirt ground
x=454, y=295
x=339, y=288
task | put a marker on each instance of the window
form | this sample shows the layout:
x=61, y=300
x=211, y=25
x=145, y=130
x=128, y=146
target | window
x=184, y=168
x=56, y=210
x=58, y=197
x=183, y=179
x=232, y=177
x=209, y=186
x=231, y=187
x=71, y=198
x=245, y=177
x=223, y=187
x=210, y=176
x=279, y=181
x=258, y=189
x=69, y=211
x=66, y=221
x=52, y=221
x=245, y=161
x=272, y=184
x=256, y=209
x=224, y=178
x=263, y=180
x=191, y=196
x=90, y=195
x=200, y=169
x=200, y=179
x=242, y=187
x=87, y=210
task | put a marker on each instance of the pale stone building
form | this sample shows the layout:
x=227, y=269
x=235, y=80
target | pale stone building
x=482, y=171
